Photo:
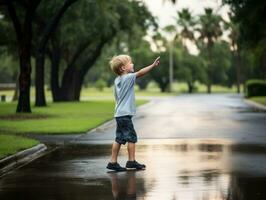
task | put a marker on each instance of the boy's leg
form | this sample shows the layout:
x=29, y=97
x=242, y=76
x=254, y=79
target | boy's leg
x=115, y=150
x=132, y=163
x=131, y=151
x=113, y=165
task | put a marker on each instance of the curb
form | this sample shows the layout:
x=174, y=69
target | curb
x=19, y=159
x=255, y=105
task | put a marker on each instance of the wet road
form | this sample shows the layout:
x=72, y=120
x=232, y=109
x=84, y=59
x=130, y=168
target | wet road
x=195, y=147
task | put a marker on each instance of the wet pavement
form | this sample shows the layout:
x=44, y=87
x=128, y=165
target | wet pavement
x=195, y=147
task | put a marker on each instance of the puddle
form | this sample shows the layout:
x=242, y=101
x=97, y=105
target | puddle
x=176, y=169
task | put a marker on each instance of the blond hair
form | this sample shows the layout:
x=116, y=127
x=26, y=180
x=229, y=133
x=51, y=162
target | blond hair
x=118, y=61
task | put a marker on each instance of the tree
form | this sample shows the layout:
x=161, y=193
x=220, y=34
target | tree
x=8, y=55
x=22, y=22
x=210, y=30
x=222, y=62
x=234, y=42
x=190, y=68
x=87, y=38
x=221, y=65
x=187, y=23
x=172, y=37
x=124, y=43
x=161, y=74
x=249, y=14
x=47, y=30
x=142, y=56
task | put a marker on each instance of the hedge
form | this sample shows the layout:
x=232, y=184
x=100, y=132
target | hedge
x=255, y=87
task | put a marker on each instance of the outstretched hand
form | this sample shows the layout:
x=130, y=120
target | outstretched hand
x=156, y=62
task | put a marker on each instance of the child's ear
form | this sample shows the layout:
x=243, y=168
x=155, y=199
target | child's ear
x=122, y=68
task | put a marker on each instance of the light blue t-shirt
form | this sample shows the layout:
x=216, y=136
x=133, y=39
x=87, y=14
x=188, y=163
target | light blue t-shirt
x=125, y=95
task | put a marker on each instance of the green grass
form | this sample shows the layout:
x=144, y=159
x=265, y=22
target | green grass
x=107, y=92
x=152, y=90
x=260, y=100
x=10, y=144
x=57, y=118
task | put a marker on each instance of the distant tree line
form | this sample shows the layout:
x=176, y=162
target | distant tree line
x=66, y=44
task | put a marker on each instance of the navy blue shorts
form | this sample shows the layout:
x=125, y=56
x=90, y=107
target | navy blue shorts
x=125, y=131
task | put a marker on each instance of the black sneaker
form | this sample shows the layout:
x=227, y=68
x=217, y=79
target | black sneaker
x=134, y=165
x=115, y=167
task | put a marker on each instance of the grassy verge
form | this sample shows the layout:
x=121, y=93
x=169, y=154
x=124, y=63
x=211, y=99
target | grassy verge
x=10, y=144
x=57, y=118
x=260, y=100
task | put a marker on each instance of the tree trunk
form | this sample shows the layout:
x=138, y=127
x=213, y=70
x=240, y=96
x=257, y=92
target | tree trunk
x=67, y=84
x=163, y=89
x=67, y=88
x=238, y=72
x=71, y=83
x=54, y=77
x=244, y=74
x=209, y=70
x=24, y=78
x=24, y=37
x=263, y=62
x=39, y=80
x=163, y=86
x=209, y=88
x=190, y=87
x=73, y=93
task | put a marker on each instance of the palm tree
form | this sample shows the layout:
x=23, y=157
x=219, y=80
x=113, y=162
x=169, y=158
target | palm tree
x=187, y=23
x=170, y=29
x=233, y=36
x=210, y=30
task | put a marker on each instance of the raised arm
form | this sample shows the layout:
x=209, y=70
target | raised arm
x=145, y=70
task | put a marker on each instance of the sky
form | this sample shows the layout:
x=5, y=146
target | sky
x=166, y=11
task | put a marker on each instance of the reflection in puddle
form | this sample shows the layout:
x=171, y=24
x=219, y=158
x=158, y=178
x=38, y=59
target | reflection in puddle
x=176, y=169
x=123, y=187
x=188, y=172
x=202, y=171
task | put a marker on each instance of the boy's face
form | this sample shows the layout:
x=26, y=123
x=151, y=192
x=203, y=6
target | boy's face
x=128, y=68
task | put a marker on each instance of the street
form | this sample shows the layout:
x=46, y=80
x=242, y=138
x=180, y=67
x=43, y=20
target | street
x=204, y=147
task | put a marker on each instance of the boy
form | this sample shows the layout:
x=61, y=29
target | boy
x=125, y=108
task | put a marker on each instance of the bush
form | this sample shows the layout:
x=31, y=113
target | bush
x=255, y=87
x=100, y=84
